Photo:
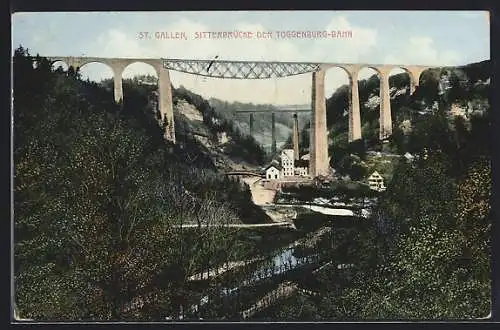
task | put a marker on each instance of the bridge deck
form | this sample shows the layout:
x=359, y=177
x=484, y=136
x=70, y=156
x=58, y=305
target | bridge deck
x=271, y=110
x=239, y=225
x=231, y=69
x=207, y=61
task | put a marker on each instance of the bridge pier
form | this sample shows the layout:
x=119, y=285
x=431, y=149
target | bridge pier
x=295, y=136
x=413, y=85
x=117, y=82
x=273, y=133
x=318, y=150
x=251, y=124
x=166, y=104
x=354, y=114
x=385, y=121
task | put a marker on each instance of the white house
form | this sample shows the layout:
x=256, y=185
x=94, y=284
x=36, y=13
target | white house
x=376, y=182
x=273, y=172
x=287, y=163
x=409, y=157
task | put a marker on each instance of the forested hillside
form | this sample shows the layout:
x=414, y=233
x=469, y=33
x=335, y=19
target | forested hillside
x=99, y=195
x=239, y=146
x=425, y=252
x=217, y=140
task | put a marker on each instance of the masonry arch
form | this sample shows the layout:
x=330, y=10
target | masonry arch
x=138, y=68
x=57, y=65
x=369, y=79
x=430, y=77
x=368, y=70
x=401, y=86
x=401, y=77
x=35, y=63
x=97, y=73
x=429, y=86
x=338, y=82
x=417, y=75
x=146, y=77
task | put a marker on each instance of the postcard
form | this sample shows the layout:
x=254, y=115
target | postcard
x=251, y=166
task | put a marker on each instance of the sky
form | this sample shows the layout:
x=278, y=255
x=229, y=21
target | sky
x=434, y=38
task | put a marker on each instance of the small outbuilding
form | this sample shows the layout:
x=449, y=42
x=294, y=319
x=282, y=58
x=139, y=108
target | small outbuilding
x=376, y=182
x=409, y=157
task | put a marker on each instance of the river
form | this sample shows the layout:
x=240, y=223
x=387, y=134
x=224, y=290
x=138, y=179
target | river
x=290, y=262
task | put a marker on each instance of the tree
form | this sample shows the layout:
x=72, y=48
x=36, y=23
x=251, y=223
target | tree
x=98, y=204
x=473, y=214
x=460, y=87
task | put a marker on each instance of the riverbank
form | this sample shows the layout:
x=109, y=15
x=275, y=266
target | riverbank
x=264, y=198
x=260, y=195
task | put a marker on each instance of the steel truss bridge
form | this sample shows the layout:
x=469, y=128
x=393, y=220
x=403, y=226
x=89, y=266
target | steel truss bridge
x=240, y=69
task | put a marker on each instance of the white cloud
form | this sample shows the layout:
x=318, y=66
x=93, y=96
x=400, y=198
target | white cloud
x=349, y=50
x=115, y=43
x=421, y=50
x=295, y=89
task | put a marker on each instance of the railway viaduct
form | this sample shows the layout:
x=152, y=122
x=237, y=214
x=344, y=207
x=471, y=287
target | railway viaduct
x=266, y=70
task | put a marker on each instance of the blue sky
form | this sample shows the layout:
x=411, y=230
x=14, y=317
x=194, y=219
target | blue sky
x=379, y=37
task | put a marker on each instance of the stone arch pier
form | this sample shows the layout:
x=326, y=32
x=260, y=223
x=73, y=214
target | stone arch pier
x=319, y=160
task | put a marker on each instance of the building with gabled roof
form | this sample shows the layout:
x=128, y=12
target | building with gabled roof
x=376, y=182
x=273, y=171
